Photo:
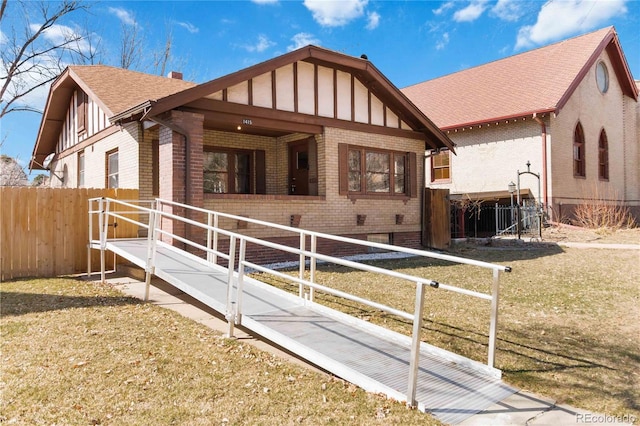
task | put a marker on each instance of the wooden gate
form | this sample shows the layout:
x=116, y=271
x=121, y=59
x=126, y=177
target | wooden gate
x=436, y=226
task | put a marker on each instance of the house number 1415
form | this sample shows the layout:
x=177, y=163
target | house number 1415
x=247, y=121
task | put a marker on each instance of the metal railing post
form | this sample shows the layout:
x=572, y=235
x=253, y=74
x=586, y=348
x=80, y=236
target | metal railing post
x=493, y=327
x=90, y=237
x=148, y=270
x=415, y=345
x=303, y=266
x=312, y=266
x=209, y=236
x=214, y=259
x=241, y=258
x=101, y=220
x=230, y=302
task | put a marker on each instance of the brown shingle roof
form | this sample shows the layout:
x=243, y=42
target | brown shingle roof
x=539, y=80
x=119, y=89
x=114, y=89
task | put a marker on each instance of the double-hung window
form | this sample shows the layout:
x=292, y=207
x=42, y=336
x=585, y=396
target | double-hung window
x=81, y=169
x=375, y=172
x=232, y=171
x=440, y=166
x=112, y=169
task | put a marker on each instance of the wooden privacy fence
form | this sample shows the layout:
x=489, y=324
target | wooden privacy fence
x=44, y=231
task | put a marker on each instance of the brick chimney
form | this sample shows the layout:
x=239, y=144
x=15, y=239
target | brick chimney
x=175, y=74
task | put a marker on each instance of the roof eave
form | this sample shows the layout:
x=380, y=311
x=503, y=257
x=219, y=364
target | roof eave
x=33, y=163
x=422, y=123
x=142, y=108
x=611, y=44
x=533, y=113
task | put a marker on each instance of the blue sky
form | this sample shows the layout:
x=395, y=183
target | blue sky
x=409, y=41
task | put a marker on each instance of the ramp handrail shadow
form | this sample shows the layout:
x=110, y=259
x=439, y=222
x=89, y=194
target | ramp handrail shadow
x=104, y=209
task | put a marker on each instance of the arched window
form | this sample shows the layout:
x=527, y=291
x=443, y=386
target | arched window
x=578, y=152
x=603, y=156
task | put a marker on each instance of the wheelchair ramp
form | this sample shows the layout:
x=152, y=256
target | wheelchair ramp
x=450, y=387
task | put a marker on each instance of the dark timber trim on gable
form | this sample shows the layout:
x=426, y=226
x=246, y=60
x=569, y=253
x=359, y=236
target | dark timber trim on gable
x=213, y=109
x=358, y=68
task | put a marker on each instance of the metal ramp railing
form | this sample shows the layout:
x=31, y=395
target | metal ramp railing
x=154, y=212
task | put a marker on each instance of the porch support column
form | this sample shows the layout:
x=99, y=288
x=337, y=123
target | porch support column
x=180, y=169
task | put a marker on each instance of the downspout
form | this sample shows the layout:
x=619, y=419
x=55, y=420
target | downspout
x=187, y=147
x=543, y=134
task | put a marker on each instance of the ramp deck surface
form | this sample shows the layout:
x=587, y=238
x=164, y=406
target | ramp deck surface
x=450, y=387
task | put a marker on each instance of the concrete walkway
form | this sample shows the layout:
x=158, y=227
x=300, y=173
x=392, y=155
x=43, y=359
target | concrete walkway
x=600, y=246
x=521, y=408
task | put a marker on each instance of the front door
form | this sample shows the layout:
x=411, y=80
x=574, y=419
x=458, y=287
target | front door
x=299, y=168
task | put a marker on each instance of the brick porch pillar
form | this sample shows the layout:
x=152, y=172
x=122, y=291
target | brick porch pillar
x=174, y=164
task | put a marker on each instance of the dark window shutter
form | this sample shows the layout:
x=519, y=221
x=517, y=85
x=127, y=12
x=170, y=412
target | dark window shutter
x=343, y=168
x=261, y=172
x=413, y=175
x=81, y=110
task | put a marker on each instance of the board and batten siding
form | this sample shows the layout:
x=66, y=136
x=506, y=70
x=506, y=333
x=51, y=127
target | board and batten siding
x=311, y=89
x=96, y=120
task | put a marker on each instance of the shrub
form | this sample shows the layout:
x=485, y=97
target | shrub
x=603, y=210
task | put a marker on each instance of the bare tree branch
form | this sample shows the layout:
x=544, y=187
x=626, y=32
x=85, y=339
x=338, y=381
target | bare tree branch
x=35, y=59
x=161, y=58
x=130, y=46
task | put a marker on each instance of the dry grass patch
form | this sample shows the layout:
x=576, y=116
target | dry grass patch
x=74, y=352
x=568, y=326
x=564, y=233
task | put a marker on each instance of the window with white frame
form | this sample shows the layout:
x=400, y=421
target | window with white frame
x=112, y=169
x=81, y=169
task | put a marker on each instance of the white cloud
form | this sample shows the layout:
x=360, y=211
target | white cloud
x=446, y=6
x=264, y=1
x=302, y=39
x=36, y=98
x=471, y=12
x=508, y=10
x=189, y=27
x=3, y=38
x=123, y=15
x=335, y=13
x=60, y=34
x=557, y=20
x=373, y=19
x=261, y=45
x=442, y=43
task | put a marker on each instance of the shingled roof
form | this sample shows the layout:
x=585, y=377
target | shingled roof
x=119, y=89
x=114, y=89
x=537, y=81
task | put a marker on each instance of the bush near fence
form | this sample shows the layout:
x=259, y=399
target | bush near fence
x=44, y=232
